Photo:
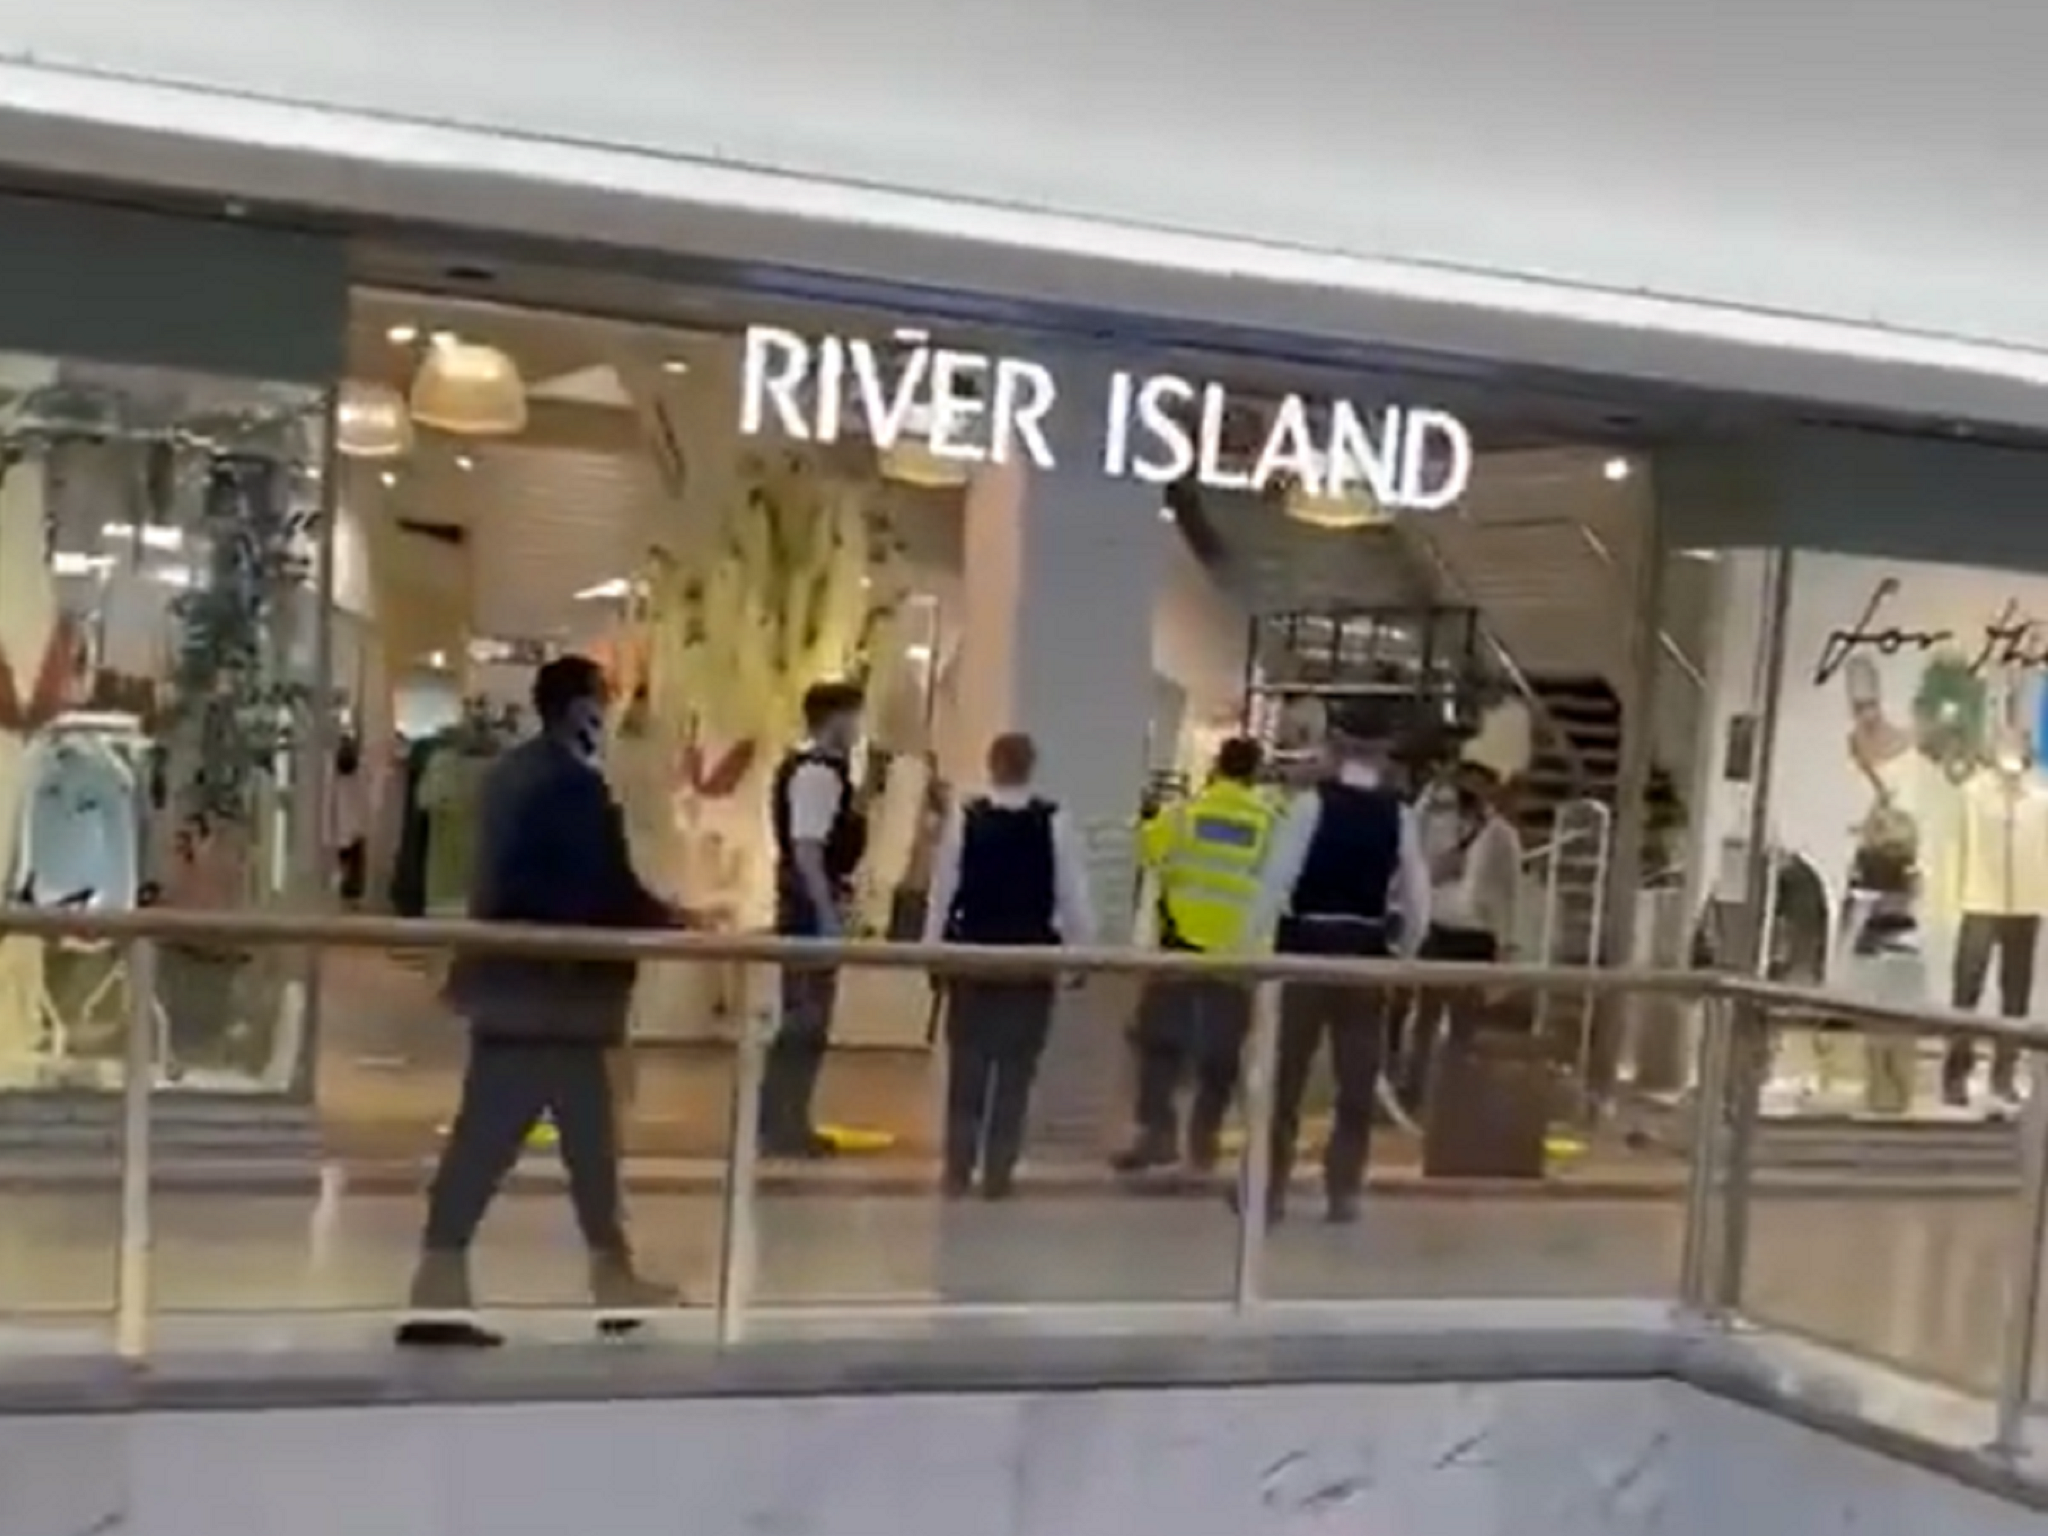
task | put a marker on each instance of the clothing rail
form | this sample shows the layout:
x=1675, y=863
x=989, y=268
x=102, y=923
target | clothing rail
x=1737, y=1014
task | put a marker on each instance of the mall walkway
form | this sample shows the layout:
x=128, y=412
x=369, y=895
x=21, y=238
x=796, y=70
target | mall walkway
x=1916, y=1282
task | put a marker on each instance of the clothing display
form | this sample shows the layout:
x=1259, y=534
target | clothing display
x=1995, y=875
x=80, y=835
x=450, y=791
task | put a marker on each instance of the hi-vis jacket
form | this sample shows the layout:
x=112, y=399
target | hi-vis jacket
x=1208, y=853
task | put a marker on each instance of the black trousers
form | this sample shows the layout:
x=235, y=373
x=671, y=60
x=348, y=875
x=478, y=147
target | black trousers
x=505, y=1092
x=2012, y=936
x=1418, y=1037
x=803, y=1037
x=995, y=1034
x=1189, y=1026
x=1354, y=1021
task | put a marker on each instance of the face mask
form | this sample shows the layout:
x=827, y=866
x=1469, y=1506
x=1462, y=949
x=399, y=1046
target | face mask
x=583, y=729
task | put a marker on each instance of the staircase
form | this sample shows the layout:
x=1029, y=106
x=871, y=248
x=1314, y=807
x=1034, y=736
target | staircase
x=1578, y=757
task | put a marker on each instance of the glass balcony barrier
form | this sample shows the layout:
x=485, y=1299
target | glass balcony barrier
x=806, y=1139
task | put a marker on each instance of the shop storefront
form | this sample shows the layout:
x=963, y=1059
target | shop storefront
x=286, y=528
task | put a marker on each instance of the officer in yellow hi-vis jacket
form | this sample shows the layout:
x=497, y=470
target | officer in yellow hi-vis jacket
x=1206, y=855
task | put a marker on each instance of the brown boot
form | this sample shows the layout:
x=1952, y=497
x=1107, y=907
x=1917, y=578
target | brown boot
x=616, y=1287
x=442, y=1306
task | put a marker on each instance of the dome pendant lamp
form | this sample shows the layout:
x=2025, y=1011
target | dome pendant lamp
x=468, y=389
x=371, y=422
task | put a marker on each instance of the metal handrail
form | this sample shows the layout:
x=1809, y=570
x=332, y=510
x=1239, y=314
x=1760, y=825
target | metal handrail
x=328, y=931
x=1719, y=1182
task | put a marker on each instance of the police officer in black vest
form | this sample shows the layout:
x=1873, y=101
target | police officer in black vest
x=1007, y=870
x=1346, y=876
x=820, y=837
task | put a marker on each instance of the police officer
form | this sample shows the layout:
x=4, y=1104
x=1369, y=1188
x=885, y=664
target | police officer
x=820, y=837
x=1008, y=871
x=1205, y=854
x=1345, y=857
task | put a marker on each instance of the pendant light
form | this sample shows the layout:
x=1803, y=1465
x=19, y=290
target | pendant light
x=469, y=389
x=371, y=421
x=1350, y=507
x=910, y=460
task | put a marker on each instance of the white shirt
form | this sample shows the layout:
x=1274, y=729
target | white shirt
x=1075, y=913
x=815, y=799
x=1409, y=893
x=1482, y=897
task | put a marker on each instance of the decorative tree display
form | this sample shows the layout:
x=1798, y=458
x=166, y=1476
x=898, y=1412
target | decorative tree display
x=792, y=586
x=235, y=711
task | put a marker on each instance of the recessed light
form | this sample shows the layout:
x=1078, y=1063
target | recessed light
x=464, y=462
x=675, y=365
x=1165, y=513
x=390, y=478
x=1616, y=469
x=444, y=338
x=402, y=335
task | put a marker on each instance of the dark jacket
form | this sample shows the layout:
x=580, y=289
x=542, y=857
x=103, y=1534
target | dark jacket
x=551, y=851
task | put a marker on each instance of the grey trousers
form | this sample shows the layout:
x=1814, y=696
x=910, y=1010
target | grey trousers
x=505, y=1092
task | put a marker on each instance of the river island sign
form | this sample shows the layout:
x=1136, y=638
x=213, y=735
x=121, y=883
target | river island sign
x=1156, y=428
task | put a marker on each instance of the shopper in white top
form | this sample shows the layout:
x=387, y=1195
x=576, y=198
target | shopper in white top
x=1477, y=875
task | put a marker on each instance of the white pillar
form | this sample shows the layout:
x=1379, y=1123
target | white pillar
x=1062, y=575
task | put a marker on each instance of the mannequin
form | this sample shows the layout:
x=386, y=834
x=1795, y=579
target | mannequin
x=28, y=626
x=1994, y=877
x=1917, y=778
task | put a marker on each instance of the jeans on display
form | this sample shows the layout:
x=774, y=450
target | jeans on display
x=2012, y=936
x=1189, y=1024
x=996, y=1031
x=1354, y=1020
x=803, y=1036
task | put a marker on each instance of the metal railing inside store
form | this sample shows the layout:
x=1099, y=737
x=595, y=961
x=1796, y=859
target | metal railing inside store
x=1740, y=1239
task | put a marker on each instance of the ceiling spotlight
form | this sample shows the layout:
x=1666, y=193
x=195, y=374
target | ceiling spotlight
x=675, y=365
x=1165, y=513
x=464, y=462
x=390, y=478
x=402, y=335
x=1616, y=469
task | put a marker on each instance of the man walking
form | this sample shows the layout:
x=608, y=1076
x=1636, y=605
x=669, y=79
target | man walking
x=821, y=836
x=1205, y=855
x=551, y=852
x=1346, y=856
x=1007, y=871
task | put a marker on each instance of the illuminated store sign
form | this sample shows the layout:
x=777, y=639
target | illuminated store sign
x=1157, y=428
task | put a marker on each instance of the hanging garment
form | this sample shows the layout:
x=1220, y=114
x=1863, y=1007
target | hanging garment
x=1996, y=860
x=415, y=832
x=79, y=832
x=451, y=790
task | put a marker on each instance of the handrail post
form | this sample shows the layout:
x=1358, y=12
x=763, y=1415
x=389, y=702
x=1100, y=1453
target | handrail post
x=2021, y=1333
x=1748, y=1048
x=131, y=1274
x=738, y=1233
x=1703, y=1176
x=1255, y=1168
